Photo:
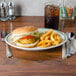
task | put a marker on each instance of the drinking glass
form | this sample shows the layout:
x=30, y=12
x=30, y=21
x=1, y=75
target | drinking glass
x=52, y=15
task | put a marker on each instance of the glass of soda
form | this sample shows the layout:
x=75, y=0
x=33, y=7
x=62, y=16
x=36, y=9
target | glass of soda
x=52, y=16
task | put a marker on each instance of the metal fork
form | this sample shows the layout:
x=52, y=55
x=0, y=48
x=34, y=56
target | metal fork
x=3, y=35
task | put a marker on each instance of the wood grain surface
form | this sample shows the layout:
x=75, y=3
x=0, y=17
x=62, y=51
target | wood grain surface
x=39, y=63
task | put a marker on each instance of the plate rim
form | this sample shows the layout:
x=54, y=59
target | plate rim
x=37, y=49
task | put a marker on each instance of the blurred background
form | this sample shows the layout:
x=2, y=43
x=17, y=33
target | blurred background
x=34, y=7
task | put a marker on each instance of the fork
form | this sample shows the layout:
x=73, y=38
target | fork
x=3, y=35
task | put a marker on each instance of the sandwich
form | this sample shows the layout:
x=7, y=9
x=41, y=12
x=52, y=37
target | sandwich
x=26, y=37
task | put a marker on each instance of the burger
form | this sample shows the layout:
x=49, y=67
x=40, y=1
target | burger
x=27, y=36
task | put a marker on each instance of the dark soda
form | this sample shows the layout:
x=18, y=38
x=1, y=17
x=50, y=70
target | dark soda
x=51, y=16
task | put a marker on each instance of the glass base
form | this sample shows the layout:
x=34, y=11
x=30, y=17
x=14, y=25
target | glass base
x=4, y=19
x=10, y=18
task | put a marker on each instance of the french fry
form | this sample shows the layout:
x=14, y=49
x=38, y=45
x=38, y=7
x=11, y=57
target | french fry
x=56, y=42
x=41, y=46
x=59, y=39
x=41, y=38
x=48, y=39
x=45, y=45
x=40, y=43
x=53, y=36
x=46, y=34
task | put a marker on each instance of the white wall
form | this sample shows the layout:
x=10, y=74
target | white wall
x=33, y=7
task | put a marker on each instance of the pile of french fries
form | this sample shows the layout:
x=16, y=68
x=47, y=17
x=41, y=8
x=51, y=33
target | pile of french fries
x=49, y=38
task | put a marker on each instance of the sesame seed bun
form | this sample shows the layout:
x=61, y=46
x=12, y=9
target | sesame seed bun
x=24, y=30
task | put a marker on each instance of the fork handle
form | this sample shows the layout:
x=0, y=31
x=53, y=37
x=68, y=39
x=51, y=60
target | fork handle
x=64, y=52
x=8, y=52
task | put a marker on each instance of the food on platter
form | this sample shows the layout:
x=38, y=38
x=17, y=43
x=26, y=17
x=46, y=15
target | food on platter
x=29, y=37
x=47, y=33
x=49, y=38
x=26, y=37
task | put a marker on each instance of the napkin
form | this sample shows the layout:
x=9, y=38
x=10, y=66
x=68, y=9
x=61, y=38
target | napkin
x=74, y=44
x=69, y=48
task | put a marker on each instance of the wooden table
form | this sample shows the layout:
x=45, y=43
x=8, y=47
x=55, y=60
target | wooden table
x=44, y=63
